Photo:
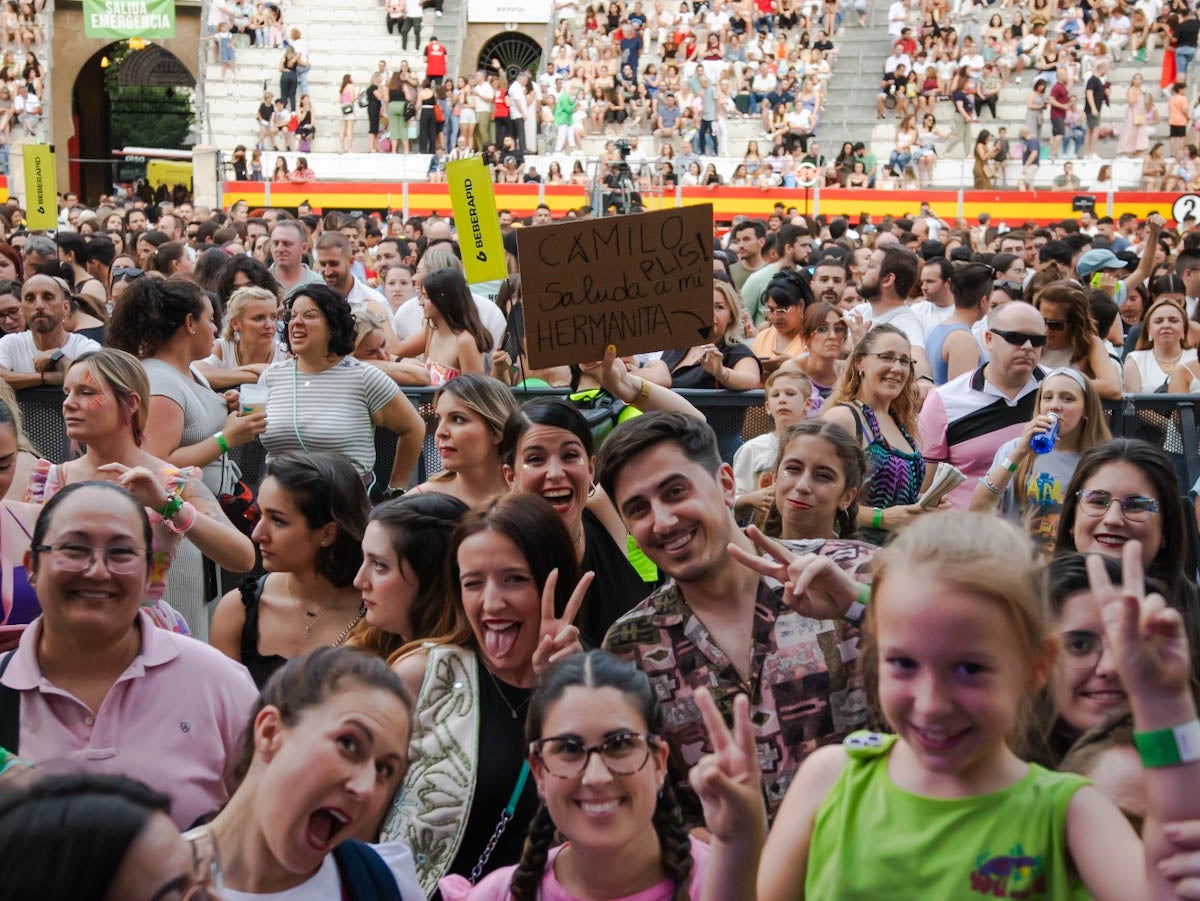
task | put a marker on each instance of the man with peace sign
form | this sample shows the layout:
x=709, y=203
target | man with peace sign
x=729, y=620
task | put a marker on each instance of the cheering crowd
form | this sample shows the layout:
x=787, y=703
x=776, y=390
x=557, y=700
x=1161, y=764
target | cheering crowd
x=581, y=643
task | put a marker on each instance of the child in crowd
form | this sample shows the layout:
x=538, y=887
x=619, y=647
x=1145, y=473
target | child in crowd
x=789, y=400
x=225, y=55
x=947, y=803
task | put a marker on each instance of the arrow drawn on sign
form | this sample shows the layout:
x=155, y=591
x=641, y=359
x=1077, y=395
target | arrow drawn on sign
x=706, y=328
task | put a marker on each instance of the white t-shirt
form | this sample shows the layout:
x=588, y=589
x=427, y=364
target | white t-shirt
x=326, y=885
x=897, y=18
x=931, y=315
x=408, y=320
x=17, y=351
x=903, y=318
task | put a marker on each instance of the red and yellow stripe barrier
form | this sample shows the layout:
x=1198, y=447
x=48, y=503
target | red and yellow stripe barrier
x=423, y=198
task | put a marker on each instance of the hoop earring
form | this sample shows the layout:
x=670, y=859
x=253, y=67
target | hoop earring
x=592, y=490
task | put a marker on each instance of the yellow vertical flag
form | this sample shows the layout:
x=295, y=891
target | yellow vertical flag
x=41, y=187
x=475, y=218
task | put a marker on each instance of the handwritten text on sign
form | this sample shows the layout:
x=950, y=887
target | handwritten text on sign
x=642, y=282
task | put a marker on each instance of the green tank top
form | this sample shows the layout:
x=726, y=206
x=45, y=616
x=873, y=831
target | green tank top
x=872, y=840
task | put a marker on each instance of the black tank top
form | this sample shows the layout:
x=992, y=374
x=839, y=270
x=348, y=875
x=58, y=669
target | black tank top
x=260, y=667
x=617, y=588
x=501, y=753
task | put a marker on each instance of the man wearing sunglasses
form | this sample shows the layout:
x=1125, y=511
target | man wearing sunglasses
x=967, y=419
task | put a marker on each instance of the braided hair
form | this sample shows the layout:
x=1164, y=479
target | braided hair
x=600, y=669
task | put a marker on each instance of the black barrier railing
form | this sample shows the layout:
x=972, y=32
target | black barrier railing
x=1169, y=420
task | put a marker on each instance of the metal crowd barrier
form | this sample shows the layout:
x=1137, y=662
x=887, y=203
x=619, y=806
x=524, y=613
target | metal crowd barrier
x=735, y=416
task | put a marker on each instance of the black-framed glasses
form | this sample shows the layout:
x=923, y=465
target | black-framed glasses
x=890, y=359
x=1056, y=325
x=566, y=756
x=75, y=556
x=1018, y=339
x=1134, y=507
x=1082, y=648
x=122, y=272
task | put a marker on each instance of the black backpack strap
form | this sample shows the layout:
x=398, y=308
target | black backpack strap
x=10, y=712
x=364, y=875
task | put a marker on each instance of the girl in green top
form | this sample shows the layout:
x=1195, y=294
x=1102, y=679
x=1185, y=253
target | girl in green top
x=959, y=642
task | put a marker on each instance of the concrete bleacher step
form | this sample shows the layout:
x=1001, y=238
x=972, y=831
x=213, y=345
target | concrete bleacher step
x=345, y=38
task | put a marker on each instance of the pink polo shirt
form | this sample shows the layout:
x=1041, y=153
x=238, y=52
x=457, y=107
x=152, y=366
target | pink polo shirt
x=171, y=720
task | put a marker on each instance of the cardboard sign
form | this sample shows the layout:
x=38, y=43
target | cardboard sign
x=119, y=19
x=642, y=282
x=41, y=187
x=475, y=218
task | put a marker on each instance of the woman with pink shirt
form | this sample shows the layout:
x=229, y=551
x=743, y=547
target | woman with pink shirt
x=93, y=685
x=601, y=771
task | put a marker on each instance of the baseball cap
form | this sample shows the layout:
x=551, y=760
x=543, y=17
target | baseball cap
x=1096, y=260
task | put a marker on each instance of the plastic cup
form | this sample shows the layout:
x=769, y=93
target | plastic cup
x=253, y=399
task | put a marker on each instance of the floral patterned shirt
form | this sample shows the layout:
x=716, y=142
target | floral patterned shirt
x=805, y=688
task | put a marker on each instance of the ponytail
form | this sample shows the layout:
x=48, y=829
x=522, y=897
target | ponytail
x=151, y=311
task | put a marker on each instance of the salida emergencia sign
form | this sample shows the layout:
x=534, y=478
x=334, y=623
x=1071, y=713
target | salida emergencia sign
x=642, y=282
x=121, y=19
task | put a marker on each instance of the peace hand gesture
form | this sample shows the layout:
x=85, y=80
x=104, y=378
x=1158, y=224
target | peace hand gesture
x=1146, y=636
x=558, y=638
x=813, y=586
x=728, y=781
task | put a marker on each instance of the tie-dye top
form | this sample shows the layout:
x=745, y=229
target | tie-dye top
x=47, y=479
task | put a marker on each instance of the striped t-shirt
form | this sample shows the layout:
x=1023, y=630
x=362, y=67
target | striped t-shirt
x=327, y=412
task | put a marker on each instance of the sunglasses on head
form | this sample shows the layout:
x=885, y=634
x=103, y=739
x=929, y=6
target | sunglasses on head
x=1018, y=339
x=126, y=273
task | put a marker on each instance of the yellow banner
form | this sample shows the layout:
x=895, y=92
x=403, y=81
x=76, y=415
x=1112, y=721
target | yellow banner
x=475, y=214
x=41, y=188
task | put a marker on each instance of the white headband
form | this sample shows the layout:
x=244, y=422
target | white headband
x=1079, y=377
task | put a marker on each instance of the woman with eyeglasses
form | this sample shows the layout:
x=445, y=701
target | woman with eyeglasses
x=1125, y=490
x=724, y=362
x=1030, y=487
x=102, y=689
x=1071, y=338
x=787, y=296
x=876, y=401
x=592, y=734
x=824, y=333
x=1161, y=350
x=1085, y=690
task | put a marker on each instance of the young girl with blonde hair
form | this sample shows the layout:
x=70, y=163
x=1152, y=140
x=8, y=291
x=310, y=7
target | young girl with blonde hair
x=947, y=804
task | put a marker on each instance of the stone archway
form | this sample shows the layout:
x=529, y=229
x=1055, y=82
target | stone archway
x=92, y=109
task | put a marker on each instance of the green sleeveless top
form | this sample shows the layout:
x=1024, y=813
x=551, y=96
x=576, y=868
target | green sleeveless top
x=872, y=840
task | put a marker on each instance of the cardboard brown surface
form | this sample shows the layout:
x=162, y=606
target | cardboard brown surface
x=642, y=282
